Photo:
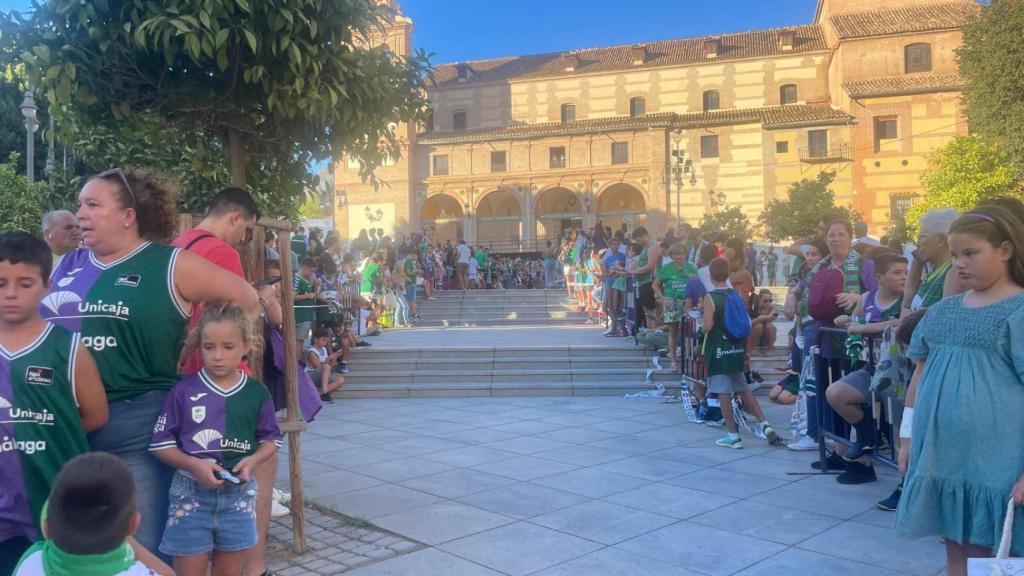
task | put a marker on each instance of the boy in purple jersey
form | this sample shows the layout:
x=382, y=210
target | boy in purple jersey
x=216, y=427
x=50, y=394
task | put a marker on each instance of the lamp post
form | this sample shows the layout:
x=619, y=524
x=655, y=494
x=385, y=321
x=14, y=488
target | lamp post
x=29, y=111
x=680, y=166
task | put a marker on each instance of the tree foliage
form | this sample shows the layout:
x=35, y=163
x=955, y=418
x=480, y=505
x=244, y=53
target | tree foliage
x=12, y=123
x=962, y=173
x=20, y=206
x=991, y=61
x=730, y=221
x=798, y=215
x=266, y=88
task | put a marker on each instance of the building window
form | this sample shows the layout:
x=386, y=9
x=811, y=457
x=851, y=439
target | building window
x=817, y=143
x=428, y=124
x=787, y=94
x=781, y=147
x=440, y=165
x=459, y=120
x=568, y=113
x=917, y=58
x=709, y=146
x=885, y=129
x=712, y=100
x=620, y=152
x=498, y=161
x=898, y=206
x=557, y=156
x=637, y=106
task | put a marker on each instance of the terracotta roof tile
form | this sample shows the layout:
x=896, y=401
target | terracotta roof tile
x=759, y=43
x=770, y=117
x=945, y=16
x=900, y=85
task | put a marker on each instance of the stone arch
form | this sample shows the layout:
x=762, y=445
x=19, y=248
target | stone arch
x=621, y=202
x=443, y=212
x=557, y=208
x=499, y=220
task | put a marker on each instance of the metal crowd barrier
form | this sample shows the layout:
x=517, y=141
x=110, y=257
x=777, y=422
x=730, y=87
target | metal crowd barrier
x=883, y=407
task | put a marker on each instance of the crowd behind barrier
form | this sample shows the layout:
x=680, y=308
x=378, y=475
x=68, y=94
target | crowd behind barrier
x=868, y=317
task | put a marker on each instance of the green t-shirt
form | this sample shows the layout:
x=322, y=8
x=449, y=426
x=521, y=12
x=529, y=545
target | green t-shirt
x=410, y=273
x=641, y=261
x=371, y=277
x=673, y=279
x=481, y=258
x=722, y=355
x=305, y=310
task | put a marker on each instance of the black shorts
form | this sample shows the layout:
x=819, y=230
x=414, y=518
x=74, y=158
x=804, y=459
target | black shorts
x=646, y=298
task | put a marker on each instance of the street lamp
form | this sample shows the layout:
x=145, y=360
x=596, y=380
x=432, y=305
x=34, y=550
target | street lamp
x=29, y=111
x=717, y=199
x=680, y=165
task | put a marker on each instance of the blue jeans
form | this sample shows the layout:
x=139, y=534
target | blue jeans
x=200, y=520
x=550, y=273
x=127, y=436
x=410, y=294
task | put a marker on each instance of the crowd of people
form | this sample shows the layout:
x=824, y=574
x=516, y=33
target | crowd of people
x=127, y=351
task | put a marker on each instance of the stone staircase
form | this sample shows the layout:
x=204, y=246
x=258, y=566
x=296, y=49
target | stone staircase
x=499, y=308
x=524, y=371
x=553, y=353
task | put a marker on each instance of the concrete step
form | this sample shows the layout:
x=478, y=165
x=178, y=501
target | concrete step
x=489, y=389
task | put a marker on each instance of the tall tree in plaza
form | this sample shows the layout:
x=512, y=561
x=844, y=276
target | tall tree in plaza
x=991, y=62
x=268, y=86
x=960, y=174
x=797, y=216
x=730, y=221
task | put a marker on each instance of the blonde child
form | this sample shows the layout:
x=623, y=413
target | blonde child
x=216, y=427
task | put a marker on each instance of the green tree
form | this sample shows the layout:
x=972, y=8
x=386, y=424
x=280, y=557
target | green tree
x=730, y=221
x=268, y=86
x=20, y=208
x=798, y=215
x=991, y=61
x=962, y=173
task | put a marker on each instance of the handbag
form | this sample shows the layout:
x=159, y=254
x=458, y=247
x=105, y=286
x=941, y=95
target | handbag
x=1002, y=564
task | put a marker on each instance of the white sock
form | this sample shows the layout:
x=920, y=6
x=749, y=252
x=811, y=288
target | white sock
x=765, y=423
x=733, y=435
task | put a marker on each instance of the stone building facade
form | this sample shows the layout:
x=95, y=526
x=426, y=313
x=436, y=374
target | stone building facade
x=517, y=149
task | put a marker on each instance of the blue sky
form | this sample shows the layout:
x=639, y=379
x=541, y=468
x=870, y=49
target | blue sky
x=458, y=30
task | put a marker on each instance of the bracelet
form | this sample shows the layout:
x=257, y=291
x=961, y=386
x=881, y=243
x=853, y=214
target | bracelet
x=907, y=424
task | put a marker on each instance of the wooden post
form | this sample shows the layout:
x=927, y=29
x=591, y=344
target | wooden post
x=293, y=426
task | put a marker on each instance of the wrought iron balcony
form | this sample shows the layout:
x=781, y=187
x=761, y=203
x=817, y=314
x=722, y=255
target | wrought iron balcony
x=826, y=154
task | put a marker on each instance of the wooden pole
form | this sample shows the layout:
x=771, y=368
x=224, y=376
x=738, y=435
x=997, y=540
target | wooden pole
x=293, y=423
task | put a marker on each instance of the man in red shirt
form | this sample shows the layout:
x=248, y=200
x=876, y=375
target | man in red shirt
x=229, y=223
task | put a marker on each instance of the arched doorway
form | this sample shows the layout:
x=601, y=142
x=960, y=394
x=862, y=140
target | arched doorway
x=558, y=210
x=620, y=203
x=499, y=217
x=445, y=214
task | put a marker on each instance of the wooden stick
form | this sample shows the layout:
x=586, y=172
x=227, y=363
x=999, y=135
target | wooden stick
x=292, y=387
x=277, y=225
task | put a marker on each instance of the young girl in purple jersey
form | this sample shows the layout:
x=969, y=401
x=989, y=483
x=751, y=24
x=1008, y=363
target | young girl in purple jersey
x=217, y=426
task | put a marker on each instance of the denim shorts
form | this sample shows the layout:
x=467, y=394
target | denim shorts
x=200, y=520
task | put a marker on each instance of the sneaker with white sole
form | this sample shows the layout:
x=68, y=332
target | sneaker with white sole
x=278, y=510
x=771, y=435
x=282, y=496
x=805, y=444
x=727, y=442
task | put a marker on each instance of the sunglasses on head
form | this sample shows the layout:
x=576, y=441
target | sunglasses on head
x=124, y=180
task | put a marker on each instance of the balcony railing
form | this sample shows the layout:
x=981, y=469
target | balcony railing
x=826, y=154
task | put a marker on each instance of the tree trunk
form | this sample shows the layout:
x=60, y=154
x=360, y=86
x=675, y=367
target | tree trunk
x=236, y=151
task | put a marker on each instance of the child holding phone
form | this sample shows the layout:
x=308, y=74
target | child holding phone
x=216, y=427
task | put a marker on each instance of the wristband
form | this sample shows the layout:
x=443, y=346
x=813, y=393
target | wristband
x=908, y=422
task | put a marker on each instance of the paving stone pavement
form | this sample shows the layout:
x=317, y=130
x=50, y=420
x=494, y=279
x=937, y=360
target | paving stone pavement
x=578, y=486
x=335, y=545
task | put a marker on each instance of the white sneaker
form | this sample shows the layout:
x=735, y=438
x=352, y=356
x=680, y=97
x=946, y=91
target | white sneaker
x=805, y=444
x=278, y=510
x=282, y=496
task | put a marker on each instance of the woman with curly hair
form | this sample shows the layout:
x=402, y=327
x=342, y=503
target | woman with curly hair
x=130, y=296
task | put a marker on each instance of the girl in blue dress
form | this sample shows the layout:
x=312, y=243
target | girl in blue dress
x=967, y=422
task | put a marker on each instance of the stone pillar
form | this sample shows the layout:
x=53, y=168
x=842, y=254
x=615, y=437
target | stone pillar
x=529, y=225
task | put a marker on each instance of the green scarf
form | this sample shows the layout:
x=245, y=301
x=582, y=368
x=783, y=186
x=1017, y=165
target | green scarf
x=56, y=562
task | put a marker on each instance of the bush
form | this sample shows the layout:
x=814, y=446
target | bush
x=20, y=202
